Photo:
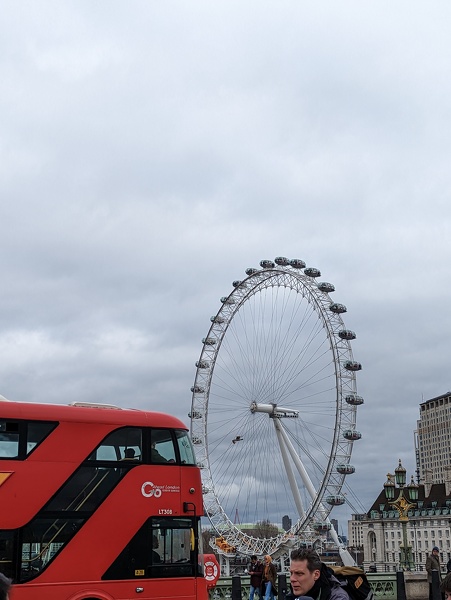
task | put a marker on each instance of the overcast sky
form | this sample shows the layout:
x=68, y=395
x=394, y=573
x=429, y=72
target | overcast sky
x=151, y=151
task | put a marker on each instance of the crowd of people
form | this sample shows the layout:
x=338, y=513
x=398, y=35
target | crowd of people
x=263, y=578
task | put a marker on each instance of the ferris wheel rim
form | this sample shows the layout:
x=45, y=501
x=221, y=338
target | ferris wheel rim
x=320, y=301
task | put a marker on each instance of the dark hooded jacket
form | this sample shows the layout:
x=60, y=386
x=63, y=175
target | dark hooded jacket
x=327, y=587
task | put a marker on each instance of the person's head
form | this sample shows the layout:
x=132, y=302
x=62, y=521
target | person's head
x=446, y=587
x=5, y=586
x=305, y=570
x=253, y=558
x=129, y=453
x=435, y=551
x=268, y=559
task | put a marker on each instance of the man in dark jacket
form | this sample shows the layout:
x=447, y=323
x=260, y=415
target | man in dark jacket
x=255, y=570
x=311, y=577
x=433, y=564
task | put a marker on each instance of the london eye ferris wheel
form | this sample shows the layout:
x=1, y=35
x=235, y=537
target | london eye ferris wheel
x=274, y=401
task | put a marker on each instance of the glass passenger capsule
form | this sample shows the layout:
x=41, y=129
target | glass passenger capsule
x=208, y=341
x=251, y=271
x=203, y=364
x=267, y=264
x=354, y=399
x=282, y=261
x=337, y=308
x=197, y=389
x=195, y=414
x=312, y=272
x=227, y=300
x=346, y=334
x=217, y=319
x=297, y=263
x=337, y=500
x=322, y=526
x=324, y=286
x=352, y=365
x=352, y=435
x=345, y=469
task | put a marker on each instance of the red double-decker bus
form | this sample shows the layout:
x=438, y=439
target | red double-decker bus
x=98, y=503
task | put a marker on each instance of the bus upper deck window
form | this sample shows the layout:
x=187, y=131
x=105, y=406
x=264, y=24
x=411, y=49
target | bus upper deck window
x=37, y=431
x=161, y=447
x=9, y=439
x=122, y=444
x=186, y=449
x=19, y=438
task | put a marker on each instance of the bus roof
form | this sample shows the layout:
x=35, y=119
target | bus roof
x=86, y=412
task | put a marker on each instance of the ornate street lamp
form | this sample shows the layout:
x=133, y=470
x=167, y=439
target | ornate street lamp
x=402, y=504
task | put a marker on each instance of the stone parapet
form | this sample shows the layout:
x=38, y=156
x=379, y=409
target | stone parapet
x=417, y=587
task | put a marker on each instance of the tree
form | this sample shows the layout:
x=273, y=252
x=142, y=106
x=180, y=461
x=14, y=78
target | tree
x=265, y=529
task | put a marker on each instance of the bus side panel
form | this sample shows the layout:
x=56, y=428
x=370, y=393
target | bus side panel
x=36, y=479
x=115, y=522
x=156, y=589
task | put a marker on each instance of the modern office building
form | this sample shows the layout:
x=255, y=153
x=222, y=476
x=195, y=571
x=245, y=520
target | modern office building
x=433, y=439
x=286, y=522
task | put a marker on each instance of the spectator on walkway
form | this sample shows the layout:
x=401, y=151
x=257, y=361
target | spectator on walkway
x=433, y=564
x=269, y=580
x=255, y=570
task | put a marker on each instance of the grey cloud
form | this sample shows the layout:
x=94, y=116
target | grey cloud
x=150, y=155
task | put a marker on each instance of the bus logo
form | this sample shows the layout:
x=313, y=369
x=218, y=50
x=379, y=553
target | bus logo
x=148, y=489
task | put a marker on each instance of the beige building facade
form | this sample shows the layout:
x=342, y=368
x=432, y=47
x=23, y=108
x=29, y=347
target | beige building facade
x=380, y=531
x=433, y=439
